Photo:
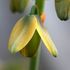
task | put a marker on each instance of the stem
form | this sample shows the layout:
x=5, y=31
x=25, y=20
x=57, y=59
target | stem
x=34, y=63
x=40, y=5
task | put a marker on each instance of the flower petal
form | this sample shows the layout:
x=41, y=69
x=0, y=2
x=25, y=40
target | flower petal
x=31, y=48
x=22, y=33
x=33, y=45
x=46, y=39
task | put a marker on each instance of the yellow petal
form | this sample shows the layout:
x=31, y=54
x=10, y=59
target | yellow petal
x=46, y=39
x=31, y=48
x=22, y=33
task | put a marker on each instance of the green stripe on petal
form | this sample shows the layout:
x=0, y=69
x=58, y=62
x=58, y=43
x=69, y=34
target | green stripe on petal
x=46, y=39
x=22, y=33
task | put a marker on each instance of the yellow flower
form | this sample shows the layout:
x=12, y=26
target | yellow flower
x=26, y=35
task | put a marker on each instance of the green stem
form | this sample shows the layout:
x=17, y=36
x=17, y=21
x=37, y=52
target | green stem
x=40, y=5
x=34, y=63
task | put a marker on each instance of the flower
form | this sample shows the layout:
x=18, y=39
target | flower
x=18, y=5
x=26, y=34
x=63, y=9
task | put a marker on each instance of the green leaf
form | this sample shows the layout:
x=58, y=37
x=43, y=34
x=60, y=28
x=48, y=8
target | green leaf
x=63, y=9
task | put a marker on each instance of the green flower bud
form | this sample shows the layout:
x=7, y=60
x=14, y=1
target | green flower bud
x=18, y=5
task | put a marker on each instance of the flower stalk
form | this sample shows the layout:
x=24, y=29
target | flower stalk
x=34, y=63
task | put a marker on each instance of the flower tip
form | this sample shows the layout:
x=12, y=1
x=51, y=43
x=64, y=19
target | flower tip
x=55, y=54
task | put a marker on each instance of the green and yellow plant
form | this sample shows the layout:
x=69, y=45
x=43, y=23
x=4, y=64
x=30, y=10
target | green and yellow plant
x=63, y=9
x=28, y=31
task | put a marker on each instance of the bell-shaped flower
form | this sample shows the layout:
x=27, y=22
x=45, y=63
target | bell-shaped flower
x=63, y=9
x=26, y=34
x=18, y=5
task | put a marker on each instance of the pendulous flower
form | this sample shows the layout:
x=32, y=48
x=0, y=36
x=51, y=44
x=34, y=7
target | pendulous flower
x=63, y=9
x=26, y=34
x=18, y=5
